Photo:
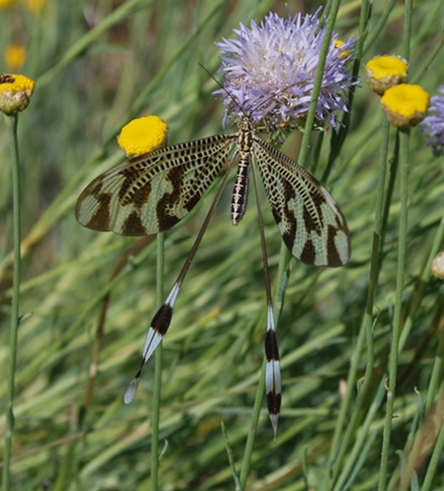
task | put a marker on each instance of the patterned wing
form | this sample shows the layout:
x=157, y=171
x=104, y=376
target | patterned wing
x=152, y=192
x=311, y=223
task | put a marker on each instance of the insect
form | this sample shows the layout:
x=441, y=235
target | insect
x=152, y=192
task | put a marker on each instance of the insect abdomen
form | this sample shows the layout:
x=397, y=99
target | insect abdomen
x=240, y=190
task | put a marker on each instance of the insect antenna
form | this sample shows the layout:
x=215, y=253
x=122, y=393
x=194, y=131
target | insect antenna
x=225, y=90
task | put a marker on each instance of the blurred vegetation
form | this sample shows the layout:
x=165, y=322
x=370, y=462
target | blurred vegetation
x=98, y=63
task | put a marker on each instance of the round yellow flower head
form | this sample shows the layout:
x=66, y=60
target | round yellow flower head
x=386, y=71
x=15, y=92
x=14, y=56
x=438, y=266
x=143, y=135
x=405, y=105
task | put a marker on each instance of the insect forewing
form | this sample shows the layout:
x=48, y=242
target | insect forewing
x=152, y=192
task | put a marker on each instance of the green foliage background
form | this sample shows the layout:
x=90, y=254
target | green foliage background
x=96, y=65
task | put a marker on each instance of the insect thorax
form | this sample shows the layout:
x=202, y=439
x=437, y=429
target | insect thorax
x=244, y=135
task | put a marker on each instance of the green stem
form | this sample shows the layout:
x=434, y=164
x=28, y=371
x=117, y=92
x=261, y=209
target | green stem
x=436, y=48
x=422, y=282
x=407, y=28
x=340, y=441
x=433, y=465
x=338, y=137
x=376, y=30
x=237, y=483
x=311, y=115
x=246, y=461
x=158, y=369
x=437, y=373
x=393, y=363
x=361, y=440
x=11, y=123
x=155, y=420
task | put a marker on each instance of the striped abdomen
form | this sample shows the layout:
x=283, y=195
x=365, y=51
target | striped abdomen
x=240, y=191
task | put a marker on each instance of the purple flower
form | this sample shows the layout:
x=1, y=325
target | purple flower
x=269, y=71
x=433, y=125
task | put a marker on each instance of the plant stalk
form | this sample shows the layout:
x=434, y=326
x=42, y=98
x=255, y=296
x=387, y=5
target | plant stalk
x=11, y=123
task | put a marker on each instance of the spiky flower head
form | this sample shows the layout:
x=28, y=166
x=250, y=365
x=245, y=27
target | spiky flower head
x=269, y=71
x=433, y=124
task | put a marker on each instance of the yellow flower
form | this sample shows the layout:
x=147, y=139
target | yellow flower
x=142, y=135
x=438, y=266
x=405, y=105
x=14, y=56
x=386, y=71
x=36, y=6
x=5, y=3
x=344, y=53
x=15, y=92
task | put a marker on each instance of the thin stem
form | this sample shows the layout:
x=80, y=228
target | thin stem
x=436, y=48
x=237, y=484
x=340, y=442
x=361, y=440
x=338, y=137
x=318, y=81
x=376, y=31
x=157, y=368
x=436, y=377
x=407, y=28
x=421, y=283
x=11, y=123
x=246, y=461
x=393, y=362
x=433, y=465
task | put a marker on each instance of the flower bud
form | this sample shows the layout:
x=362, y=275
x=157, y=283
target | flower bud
x=438, y=266
x=405, y=105
x=15, y=93
x=384, y=72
